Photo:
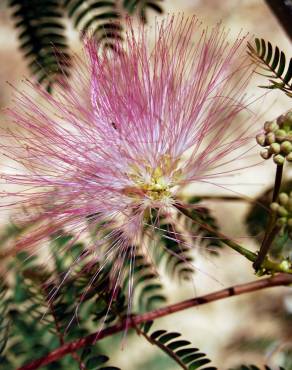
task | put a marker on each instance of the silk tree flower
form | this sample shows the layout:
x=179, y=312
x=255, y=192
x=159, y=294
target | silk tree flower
x=130, y=131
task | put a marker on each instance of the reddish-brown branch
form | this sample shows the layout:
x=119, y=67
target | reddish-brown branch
x=281, y=279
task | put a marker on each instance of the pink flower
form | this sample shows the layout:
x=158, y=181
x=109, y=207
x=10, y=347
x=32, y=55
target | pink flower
x=128, y=136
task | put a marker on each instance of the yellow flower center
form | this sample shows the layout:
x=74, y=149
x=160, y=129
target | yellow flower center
x=153, y=183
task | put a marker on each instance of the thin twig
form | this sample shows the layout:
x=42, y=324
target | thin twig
x=278, y=280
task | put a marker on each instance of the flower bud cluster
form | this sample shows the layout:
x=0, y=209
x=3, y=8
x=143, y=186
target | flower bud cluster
x=277, y=139
x=283, y=209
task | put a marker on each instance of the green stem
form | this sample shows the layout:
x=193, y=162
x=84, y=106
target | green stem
x=271, y=230
x=267, y=266
x=225, y=198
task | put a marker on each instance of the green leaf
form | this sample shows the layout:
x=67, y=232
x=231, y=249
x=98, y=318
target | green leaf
x=94, y=362
x=272, y=60
x=140, y=7
x=102, y=18
x=257, y=220
x=188, y=358
x=147, y=289
x=167, y=337
x=42, y=38
x=4, y=319
x=147, y=326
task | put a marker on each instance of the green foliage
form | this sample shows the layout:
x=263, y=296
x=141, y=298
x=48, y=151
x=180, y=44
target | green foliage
x=171, y=343
x=95, y=361
x=202, y=216
x=174, y=252
x=42, y=38
x=10, y=232
x=140, y=7
x=4, y=320
x=257, y=220
x=176, y=236
x=45, y=302
x=147, y=289
x=42, y=32
x=102, y=18
x=273, y=62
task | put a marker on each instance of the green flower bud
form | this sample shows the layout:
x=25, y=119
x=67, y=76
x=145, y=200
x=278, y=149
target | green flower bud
x=268, y=126
x=285, y=265
x=279, y=159
x=282, y=211
x=289, y=157
x=265, y=154
x=284, y=199
x=275, y=148
x=281, y=119
x=282, y=221
x=280, y=135
x=274, y=206
x=286, y=147
x=288, y=117
x=271, y=138
x=261, y=139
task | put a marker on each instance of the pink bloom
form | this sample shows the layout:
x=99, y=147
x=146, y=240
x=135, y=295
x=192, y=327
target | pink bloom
x=128, y=136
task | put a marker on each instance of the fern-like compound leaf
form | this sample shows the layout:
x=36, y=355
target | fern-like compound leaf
x=101, y=18
x=200, y=216
x=187, y=357
x=174, y=252
x=274, y=65
x=148, y=290
x=42, y=38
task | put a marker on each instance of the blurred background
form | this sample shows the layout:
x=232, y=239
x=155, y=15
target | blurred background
x=254, y=328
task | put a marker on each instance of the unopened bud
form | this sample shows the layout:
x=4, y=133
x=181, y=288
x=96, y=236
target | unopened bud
x=271, y=138
x=279, y=159
x=275, y=148
x=289, y=157
x=285, y=265
x=274, y=206
x=282, y=221
x=280, y=135
x=268, y=126
x=261, y=139
x=265, y=154
x=288, y=117
x=286, y=147
x=282, y=211
x=281, y=120
x=283, y=198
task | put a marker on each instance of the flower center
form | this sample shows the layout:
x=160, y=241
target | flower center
x=154, y=183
